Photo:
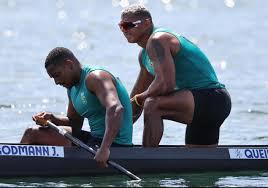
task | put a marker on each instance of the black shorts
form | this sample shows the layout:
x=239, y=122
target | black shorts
x=92, y=141
x=212, y=107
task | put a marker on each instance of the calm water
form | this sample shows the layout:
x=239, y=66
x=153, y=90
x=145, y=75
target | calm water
x=232, y=33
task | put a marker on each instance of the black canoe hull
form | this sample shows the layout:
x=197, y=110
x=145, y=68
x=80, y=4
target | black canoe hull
x=166, y=159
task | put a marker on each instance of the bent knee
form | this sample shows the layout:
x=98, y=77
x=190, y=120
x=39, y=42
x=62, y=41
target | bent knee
x=151, y=105
x=31, y=134
x=33, y=129
x=29, y=130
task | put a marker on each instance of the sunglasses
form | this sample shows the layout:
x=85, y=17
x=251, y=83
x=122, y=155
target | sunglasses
x=129, y=25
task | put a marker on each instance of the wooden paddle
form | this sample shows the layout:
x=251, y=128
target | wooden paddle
x=79, y=143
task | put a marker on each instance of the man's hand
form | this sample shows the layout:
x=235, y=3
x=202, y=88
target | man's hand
x=138, y=100
x=42, y=117
x=102, y=156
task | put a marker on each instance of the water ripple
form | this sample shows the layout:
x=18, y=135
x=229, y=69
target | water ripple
x=5, y=105
x=251, y=111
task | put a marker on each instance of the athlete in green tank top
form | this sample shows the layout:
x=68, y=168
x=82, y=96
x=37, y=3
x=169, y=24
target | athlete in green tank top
x=193, y=69
x=176, y=82
x=94, y=94
x=89, y=106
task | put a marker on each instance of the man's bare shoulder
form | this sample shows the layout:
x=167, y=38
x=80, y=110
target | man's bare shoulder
x=97, y=77
x=164, y=39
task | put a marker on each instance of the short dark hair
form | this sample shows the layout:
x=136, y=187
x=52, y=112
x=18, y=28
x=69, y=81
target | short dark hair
x=138, y=10
x=58, y=55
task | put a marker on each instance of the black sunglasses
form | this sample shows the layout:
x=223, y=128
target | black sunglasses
x=129, y=25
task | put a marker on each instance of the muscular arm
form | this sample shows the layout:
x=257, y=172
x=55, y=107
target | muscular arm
x=142, y=83
x=102, y=84
x=159, y=48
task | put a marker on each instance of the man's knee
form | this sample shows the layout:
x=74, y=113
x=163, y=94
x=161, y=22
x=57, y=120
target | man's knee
x=151, y=106
x=29, y=131
x=30, y=134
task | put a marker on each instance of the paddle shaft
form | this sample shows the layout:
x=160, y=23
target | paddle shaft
x=91, y=150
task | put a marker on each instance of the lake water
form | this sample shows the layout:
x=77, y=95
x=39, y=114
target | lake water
x=233, y=34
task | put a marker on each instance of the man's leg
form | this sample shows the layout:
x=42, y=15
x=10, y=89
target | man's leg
x=153, y=124
x=212, y=107
x=44, y=135
x=201, y=135
x=200, y=109
x=178, y=106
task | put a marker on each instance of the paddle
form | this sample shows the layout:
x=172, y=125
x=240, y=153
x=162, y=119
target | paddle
x=89, y=149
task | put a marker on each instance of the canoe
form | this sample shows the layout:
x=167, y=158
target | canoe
x=41, y=160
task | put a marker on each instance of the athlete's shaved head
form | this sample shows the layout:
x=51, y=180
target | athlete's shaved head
x=136, y=10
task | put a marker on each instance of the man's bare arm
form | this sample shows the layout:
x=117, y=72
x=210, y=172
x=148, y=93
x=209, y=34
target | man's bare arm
x=159, y=51
x=105, y=89
x=142, y=83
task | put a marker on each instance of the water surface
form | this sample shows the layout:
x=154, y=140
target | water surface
x=233, y=34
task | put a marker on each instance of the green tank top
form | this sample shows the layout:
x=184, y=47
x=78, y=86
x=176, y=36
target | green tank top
x=193, y=69
x=88, y=106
